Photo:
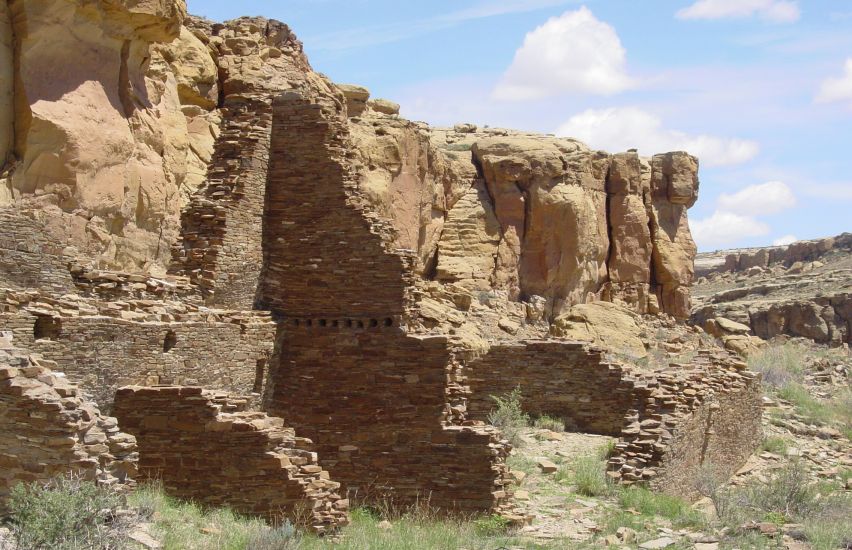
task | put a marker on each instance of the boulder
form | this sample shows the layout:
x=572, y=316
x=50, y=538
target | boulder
x=356, y=98
x=602, y=323
x=384, y=106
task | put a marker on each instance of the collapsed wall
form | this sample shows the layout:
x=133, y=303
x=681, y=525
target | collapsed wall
x=48, y=429
x=376, y=398
x=203, y=448
x=671, y=422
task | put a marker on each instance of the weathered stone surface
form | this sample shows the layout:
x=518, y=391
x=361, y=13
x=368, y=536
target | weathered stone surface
x=356, y=98
x=202, y=447
x=7, y=92
x=384, y=106
x=48, y=429
x=602, y=323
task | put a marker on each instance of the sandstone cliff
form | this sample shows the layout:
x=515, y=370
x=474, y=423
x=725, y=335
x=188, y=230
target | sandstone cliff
x=116, y=136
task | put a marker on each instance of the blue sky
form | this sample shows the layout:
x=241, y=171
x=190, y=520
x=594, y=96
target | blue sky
x=760, y=90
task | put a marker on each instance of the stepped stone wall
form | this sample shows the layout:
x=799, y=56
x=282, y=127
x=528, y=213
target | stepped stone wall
x=382, y=403
x=203, y=448
x=670, y=421
x=48, y=429
x=567, y=380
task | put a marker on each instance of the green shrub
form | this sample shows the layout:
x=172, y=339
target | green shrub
x=587, y=474
x=649, y=503
x=67, y=513
x=545, y=422
x=490, y=526
x=458, y=146
x=775, y=444
x=509, y=416
x=283, y=537
x=780, y=365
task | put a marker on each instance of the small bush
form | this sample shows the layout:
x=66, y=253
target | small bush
x=780, y=365
x=774, y=444
x=283, y=537
x=649, y=503
x=490, y=526
x=545, y=422
x=587, y=474
x=509, y=416
x=67, y=513
x=458, y=146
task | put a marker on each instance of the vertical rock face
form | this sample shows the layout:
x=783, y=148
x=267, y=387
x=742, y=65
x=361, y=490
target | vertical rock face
x=674, y=189
x=7, y=89
x=110, y=121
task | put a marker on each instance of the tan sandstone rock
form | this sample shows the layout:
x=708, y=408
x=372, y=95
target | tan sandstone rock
x=602, y=323
x=356, y=98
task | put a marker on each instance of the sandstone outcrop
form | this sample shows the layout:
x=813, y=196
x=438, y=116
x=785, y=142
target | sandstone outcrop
x=604, y=324
x=801, y=290
x=48, y=429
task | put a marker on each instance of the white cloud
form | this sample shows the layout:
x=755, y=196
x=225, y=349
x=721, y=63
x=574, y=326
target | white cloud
x=622, y=128
x=725, y=228
x=785, y=240
x=572, y=53
x=775, y=11
x=762, y=199
x=837, y=89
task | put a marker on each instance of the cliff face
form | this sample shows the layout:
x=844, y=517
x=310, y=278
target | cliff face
x=110, y=132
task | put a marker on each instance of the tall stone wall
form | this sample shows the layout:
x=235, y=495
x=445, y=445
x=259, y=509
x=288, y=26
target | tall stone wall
x=380, y=401
x=47, y=429
x=325, y=253
x=220, y=244
x=201, y=448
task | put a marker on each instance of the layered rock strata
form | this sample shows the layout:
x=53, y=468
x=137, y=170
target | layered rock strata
x=203, y=448
x=48, y=429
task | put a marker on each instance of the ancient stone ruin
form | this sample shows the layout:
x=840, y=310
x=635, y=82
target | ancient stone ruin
x=266, y=234
x=47, y=429
x=245, y=460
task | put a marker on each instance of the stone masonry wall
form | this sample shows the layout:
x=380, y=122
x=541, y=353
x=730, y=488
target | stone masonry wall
x=47, y=429
x=325, y=253
x=382, y=403
x=566, y=380
x=373, y=400
x=103, y=346
x=220, y=244
x=29, y=258
x=670, y=421
x=202, y=448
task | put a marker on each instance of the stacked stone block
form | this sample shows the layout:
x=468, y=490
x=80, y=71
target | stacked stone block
x=220, y=244
x=382, y=402
x=47, y=429
x=247, y=461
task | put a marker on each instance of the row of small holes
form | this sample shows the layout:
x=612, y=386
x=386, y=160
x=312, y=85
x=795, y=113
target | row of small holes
x=348, y=323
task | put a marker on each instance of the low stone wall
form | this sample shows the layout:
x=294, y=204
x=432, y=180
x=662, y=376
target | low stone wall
x=47, y=429
x=105, y=345
x=671, y=422
x=247, y=461
x=567, y=380
x=375, y=402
